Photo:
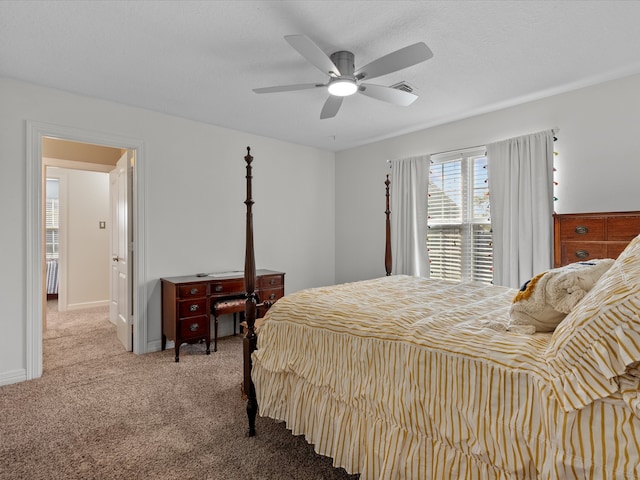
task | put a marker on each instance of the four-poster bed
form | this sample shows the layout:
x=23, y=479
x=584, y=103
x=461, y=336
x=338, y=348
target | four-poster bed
x=406, y=377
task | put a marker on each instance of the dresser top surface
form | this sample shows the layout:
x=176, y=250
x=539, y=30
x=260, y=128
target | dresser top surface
x=598, y=214
x=212, y=277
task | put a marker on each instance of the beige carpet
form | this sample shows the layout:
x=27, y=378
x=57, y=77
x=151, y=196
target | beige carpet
x=99, y=412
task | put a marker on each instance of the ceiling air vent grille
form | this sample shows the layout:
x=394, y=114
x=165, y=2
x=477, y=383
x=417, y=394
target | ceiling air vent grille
x=404, y=86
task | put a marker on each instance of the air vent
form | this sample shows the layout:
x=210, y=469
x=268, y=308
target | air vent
x=404, y=86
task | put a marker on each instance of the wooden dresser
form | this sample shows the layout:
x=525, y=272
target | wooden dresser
x=188, y=302
x=584, y=236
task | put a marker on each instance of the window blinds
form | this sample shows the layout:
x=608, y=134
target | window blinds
x=459, y=227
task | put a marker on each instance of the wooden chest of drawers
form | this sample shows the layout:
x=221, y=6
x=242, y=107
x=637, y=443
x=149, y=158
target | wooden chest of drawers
x=188, y=302
x=584, y=236
x=185, y=313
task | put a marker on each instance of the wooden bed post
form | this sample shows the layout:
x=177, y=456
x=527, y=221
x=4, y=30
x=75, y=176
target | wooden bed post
x=387, y=251
x=250, y=340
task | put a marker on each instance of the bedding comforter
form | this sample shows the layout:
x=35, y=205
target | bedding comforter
x=409, y=378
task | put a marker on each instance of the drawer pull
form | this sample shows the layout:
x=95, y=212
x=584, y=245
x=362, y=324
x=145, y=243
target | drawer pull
x=272, y=281
x=219, y=288
x=581, y=230
x=194, y=327
x=193, y=291
x=272, y=296
x=582, y=254
x=193, y=308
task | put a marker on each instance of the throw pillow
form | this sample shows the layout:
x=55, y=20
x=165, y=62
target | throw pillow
x=548, y=297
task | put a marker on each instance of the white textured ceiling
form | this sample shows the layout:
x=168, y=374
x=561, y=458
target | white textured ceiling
x=201, y=59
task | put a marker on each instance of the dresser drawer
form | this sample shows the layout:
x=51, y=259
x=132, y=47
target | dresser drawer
x=190, y=308
x=614, y=249
x=270, y=281
x=228, y=287
x=622, y=229
x=582, y=229
x=270, y=294
x=580, y=251
x=192, y=291
x=194, y=327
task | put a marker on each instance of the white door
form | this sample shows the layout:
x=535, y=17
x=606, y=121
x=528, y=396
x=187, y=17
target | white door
x=120, y=305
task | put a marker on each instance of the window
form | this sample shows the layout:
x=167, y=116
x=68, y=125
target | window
x=459, y=237
x=52, y=225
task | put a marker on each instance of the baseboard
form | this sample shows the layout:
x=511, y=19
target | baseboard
x=157, y=346
x=80, y=306
x=14, y=376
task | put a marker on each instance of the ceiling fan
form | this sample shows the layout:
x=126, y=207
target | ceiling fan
x=344, y=80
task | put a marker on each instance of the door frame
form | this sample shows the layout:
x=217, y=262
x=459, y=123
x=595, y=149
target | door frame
x=35, y=260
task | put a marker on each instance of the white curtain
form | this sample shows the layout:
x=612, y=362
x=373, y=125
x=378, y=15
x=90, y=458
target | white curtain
x=409, y=183
x=521, y=188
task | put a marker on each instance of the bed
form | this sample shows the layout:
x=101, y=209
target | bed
x=401, y=377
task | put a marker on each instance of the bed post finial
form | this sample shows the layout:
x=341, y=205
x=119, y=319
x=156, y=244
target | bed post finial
x=387, y=250
x=250, y=340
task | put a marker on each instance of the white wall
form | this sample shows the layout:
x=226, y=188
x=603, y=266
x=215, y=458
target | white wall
x=195, y=189
x=318, y=216
x=597, y=165
x=84, y=202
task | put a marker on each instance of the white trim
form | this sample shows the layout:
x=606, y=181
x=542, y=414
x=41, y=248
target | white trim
x=82, y=306
x=156, y=346
x=34, y=287
x=13, y=376
x=91, y=167
x=452, y=155
x=34, y=278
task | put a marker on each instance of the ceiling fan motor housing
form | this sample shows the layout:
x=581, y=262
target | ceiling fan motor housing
x=344, y=61
x=343, y=79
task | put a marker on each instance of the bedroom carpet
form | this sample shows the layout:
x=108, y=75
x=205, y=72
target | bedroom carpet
x=99, y=412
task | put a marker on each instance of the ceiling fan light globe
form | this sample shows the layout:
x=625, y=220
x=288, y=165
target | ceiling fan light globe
x=342, y=88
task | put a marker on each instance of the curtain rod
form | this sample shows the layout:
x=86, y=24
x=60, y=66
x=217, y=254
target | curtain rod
x=554, y=131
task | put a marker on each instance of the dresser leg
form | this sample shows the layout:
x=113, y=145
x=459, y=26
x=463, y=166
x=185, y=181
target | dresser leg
x=215, y=334
x=208, y=341
x=177, y=352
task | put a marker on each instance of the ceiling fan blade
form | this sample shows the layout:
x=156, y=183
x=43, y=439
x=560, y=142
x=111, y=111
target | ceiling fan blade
x=388, y=94
x=331, y=107
x=288, y=88
x=403, y=58
x=309, y=50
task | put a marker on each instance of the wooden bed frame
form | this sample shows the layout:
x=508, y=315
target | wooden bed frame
x=250, y=340
x=567, y=435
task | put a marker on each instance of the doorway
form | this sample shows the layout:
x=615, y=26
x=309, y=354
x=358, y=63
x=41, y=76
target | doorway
x=76, y=223
x=36, y=174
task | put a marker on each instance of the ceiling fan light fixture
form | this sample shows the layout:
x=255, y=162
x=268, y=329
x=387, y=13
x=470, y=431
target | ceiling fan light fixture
x=343, y=87
x=344, y=79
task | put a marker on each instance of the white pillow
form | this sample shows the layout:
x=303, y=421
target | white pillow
x=597, y=347
x=548, y=297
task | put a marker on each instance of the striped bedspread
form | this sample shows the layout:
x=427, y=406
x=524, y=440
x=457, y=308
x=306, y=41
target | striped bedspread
x=405, y=378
